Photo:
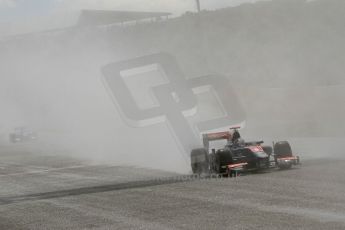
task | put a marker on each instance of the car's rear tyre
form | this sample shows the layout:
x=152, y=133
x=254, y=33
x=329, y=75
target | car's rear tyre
x=282, y=149
x=199, y=161
x=222, y=158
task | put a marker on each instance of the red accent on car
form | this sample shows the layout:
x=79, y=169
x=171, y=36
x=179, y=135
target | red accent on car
x=256, y=149
x=218, y=136
x=288, y=158
x=236, y=165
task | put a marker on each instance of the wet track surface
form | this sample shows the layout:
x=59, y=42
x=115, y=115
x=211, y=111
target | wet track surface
x=50, y=192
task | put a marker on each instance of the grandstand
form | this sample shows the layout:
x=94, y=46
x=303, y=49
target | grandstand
x=104, y=17
x=284, y=54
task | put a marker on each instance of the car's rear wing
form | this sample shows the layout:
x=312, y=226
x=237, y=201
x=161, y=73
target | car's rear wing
x=213, y=137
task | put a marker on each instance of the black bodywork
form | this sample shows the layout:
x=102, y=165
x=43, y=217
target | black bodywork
x=232, y=155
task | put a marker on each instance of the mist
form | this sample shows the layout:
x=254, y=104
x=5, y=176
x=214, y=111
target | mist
x=284, y=60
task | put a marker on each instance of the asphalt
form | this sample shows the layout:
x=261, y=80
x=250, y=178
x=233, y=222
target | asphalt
x=39, y=191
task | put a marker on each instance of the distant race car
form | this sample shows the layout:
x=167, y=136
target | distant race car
x=22, y=134
x=240, y=156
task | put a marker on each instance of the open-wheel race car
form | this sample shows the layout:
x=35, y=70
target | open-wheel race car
x=240, y=156
x=22, y=134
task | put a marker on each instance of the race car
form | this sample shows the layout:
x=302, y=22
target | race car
x=22, y=134
x=240, y=156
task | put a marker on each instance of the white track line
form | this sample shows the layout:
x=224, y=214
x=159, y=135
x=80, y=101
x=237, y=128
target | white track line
x=50, y=170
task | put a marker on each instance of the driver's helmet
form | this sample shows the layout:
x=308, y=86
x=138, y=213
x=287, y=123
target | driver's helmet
x=236, y=135
x=240, y=142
